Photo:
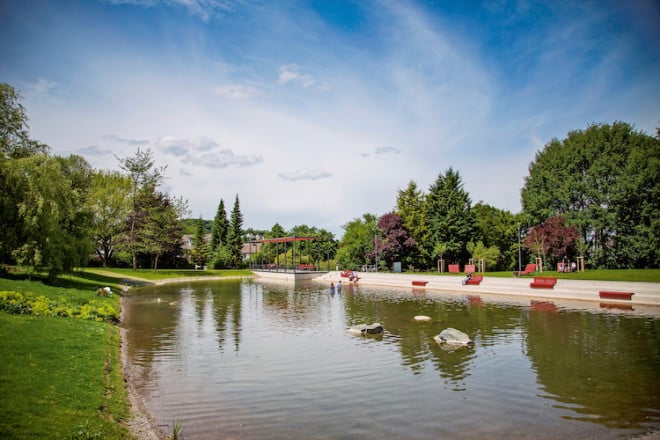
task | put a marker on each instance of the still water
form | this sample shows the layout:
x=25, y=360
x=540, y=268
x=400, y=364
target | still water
x=250, y=360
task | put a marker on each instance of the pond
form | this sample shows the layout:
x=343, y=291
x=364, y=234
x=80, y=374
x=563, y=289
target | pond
x=244, y=360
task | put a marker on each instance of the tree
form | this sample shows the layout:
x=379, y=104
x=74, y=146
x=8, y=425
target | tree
x=15, y=140
x=553, y=239
x=110, y=206
x=200, y=249
x=394, y=242
x=235, y=234
x=411, y=207
x=357, y=242
x=497, y=227
x=52, y=216
x=156, y=225
x=144, y=176
x=220, y=227
x=479, y=251
x=604, y=181
x=451, y=221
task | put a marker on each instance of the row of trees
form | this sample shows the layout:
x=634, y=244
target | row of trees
x=593, y=194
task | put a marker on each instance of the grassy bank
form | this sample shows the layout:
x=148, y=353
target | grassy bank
x=60, y=375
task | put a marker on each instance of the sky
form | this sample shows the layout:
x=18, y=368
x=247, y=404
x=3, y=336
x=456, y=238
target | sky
x=316, y=112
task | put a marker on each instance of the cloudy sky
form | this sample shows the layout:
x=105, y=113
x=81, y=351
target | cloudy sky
x=315, y=112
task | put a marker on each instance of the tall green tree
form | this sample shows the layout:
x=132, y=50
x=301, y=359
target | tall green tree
x=411, y=207
x=220, y=228
x=15, y=139
x=110, y=206
x=144, y=175
x=604, y=181
x=451, y=220
x=200, y=249
x=235, y=234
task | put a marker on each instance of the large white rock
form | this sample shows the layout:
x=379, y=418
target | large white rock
x=451, y=336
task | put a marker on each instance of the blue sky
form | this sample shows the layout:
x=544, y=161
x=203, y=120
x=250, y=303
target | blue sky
x=316, y=112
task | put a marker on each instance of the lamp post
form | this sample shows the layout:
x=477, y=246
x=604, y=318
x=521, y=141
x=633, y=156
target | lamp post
x=519, y=253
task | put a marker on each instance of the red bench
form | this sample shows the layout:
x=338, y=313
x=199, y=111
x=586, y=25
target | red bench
x=475, y=280
x=346, y=273
x=419, y=283
x=616, y=295
x=469, y=268
x=305, y=267
x=453, y=268
x=530, y=268
x=543, y=282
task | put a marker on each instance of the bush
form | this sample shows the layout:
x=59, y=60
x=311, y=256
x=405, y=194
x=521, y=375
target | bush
x=19, y=304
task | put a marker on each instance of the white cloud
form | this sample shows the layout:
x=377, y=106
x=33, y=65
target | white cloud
x=293, y=176
x=291, y=73
x=235, y=91
x=205, y=152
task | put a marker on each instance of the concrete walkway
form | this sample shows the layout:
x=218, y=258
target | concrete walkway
x=645, y=294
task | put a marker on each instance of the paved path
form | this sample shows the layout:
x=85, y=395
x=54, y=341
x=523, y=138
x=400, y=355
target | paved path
x=645, y=294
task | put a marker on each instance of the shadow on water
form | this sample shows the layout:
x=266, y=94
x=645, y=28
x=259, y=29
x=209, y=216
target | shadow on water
x=256, y=359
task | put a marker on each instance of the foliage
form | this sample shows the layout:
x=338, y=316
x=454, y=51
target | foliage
x=411, y=207
x=357, y=242
x=15, y=139
x=220, y=227
x=451, y=221
x=200, y=250
x=604, y=181
x=394, y=242
x=499, y=228
x=30, y=304
x=235, y=234
x=490, y=254
x=144, y=177
x=109, y=204
x=156, y=225
x=48, y=226
x=553, y=239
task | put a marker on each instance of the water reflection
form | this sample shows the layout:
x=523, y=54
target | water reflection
x=267, y=360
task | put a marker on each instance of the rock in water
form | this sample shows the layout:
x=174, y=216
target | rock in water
x=452, y=336
x=364, y=329
x=422, y=318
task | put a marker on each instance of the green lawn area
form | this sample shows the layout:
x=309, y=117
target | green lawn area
x=60, y=378
x=111, y=274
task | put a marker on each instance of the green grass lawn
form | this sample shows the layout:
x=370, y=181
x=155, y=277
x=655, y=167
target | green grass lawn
x=60, y=378
x=113, y=275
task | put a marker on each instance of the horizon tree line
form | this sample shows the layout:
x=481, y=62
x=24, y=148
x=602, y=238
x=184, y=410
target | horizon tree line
x=593, y=194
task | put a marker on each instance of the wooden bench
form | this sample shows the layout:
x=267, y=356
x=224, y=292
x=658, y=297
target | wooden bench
x=453, y=268
x=419, y=283
x=616, y=295
x=475, y=280
x=543, y=282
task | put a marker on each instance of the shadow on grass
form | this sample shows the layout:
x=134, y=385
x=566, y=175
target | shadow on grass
x=73, y=280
